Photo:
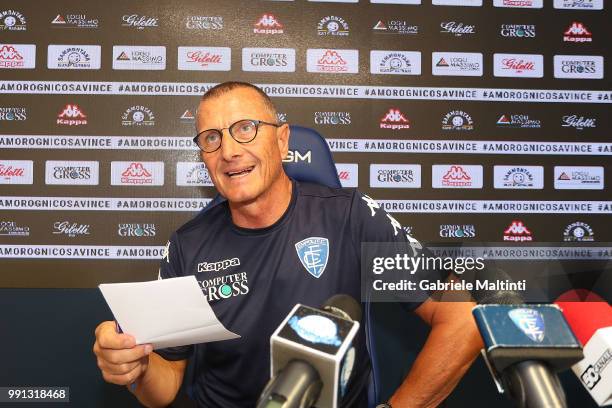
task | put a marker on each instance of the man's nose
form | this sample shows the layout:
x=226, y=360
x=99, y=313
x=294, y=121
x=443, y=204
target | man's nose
x=229, y=147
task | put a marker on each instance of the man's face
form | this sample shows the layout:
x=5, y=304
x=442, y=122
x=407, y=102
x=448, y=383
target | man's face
x=243, y=172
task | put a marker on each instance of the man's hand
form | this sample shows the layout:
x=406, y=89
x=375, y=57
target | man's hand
x=121, y=361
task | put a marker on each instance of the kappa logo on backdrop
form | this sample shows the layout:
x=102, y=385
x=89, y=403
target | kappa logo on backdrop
x=517, y=232
x=456, y=176
x=330, y=59
x=394, y=119
x=12, y=20
x=313, y=253
x=72, y=115
x=136, y=173
x=268, y=24
x=10, y=57
x=577, y=32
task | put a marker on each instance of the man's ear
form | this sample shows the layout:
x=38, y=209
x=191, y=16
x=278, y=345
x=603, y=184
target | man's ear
x=282, y=134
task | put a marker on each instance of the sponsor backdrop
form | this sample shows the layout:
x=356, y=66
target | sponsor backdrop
x=470, y=121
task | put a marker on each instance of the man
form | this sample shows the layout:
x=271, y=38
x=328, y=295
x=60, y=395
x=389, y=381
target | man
x=261, y=227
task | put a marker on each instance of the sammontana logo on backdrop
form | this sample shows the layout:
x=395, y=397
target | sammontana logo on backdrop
x=268, y=59
x=518, y=177
x=192, y=174
x=13, y=114
x=72, y=173
x=332, y=26
x=72, y=20
x=579, y=4
x=578, y=232
x=16, y=171
x=579, y=66
x=348, y=173
x=395, y=62
x=579, y=178
x=128, y=57
x=73, y=57
x=12, y=20
x=457, y=120
x=205, y=58
x=125, y=173
x=395, y=175
x=138, y=115
x=17, y=56
x=456, y=176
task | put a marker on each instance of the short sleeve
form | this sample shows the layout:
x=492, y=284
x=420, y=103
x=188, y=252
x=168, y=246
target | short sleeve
x=379, y=236
x=171, y=267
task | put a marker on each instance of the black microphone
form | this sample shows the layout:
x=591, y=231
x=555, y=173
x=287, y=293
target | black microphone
x=311, y=355
x=525, y=345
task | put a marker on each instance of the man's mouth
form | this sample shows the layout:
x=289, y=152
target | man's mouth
x=240, y=173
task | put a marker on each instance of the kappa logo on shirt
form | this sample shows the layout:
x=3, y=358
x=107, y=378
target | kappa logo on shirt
x=313, y=253
x=218, y=266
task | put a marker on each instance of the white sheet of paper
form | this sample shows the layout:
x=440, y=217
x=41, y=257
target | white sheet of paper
x=166, y=313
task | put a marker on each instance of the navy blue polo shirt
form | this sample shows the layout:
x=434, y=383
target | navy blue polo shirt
x=252, y=278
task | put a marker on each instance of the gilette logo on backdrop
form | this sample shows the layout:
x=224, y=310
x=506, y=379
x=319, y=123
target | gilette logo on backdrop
x=268, y=24
x=9, y=171
x=204, y=58
x=72, y=115
x=519, y=65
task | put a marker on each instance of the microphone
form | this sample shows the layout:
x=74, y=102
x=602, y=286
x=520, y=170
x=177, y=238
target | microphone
x=591, y=321
x=525, y=345
x=311, y=355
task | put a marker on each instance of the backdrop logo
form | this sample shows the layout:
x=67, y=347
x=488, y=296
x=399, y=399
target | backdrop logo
x=192, y=174
x=71, y=172
x=519, y=3
x=518, y=65
x=139, y=22
x=11, y=20
x=136, y=230
x=456, y=176
x=332, y=61
x=394, y=119
x=395, y=62
x=17, y=56
x=457, y=120
x=268, y=59
x=457, y=29
x=518, y=177
x=396, y=1
x=137, y=173
x=73, y=57
x=456, y=63
x=577, y=32
x=518, y=121
x=71, y=229
x=579, y=66
x=12, y=229
x=16, y=171
x=127, y=57
x=395, y=175
x=187, y=116
x=71, y=115
x=268, y=24
x=518, y=30
x=348, y=173
x=578, y=232
x=333, y=25
x=332, y=118
x=579, y=178
x=457, y=231
x=472, y=3
x=517, y=232
x=578, y=122
x=74, y=21
x=204, y=23
x=13, y=114
x=398, y=27
x=205, y=58
x=313, y=253
x=138, y=115
x=579, y=4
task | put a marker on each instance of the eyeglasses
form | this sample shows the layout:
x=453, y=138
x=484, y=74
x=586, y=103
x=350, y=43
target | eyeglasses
x=242, y=131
